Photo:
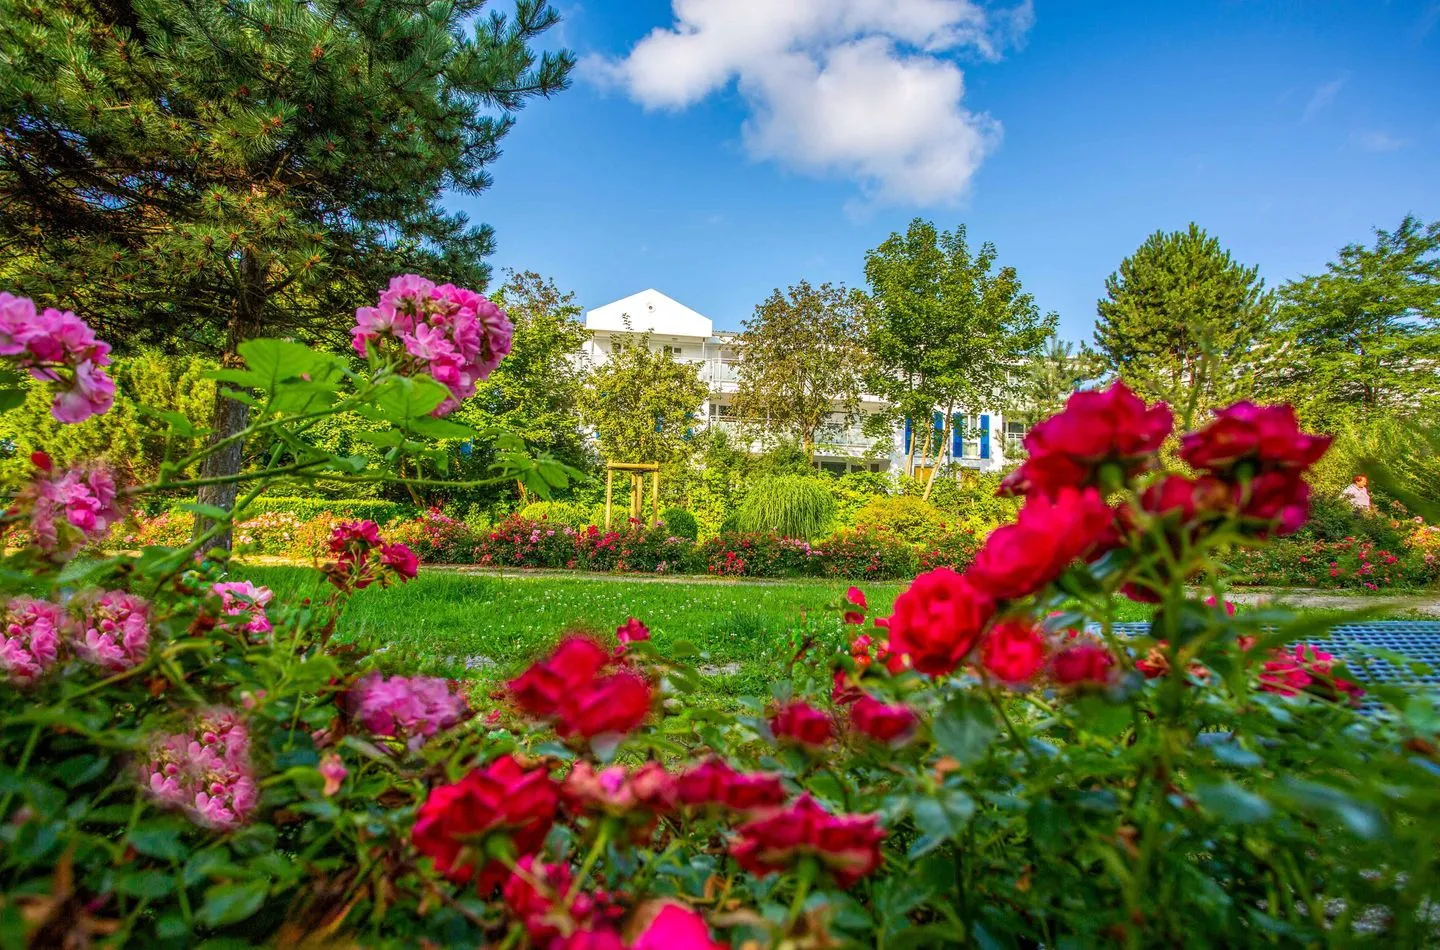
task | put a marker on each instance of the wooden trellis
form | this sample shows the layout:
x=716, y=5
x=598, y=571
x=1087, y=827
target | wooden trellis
x=637, y=472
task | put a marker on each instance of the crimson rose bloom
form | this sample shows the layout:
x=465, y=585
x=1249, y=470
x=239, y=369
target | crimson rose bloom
x=539, y=911
x=1268, y=437
x=855, y=597
x=1094, y=428
x=501, y=799
x=1279, y=500
x=937, y=620
x=1020, y=558
x=1187, y=497
x=802, y=723
x=542, y=688
x=1082, y=663
x=617, y=703
x=675, y=927
x=1013, y=652
x=590, y=940
x=630, y=631
x=713, y=782
x=847, y=845
x=893, y=724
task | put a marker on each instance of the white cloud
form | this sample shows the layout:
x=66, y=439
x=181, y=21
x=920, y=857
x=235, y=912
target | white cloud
x=866, y=89
x=1378, y=140
x=1324, y=94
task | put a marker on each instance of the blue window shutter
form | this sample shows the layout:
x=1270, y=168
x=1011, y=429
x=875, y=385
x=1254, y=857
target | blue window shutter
x=659, y=424
x=984, y=436
x=957, y=437
x=907, y=435
x=939, y=423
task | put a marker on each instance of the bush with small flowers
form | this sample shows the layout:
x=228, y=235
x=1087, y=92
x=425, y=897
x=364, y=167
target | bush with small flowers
x=187, y=760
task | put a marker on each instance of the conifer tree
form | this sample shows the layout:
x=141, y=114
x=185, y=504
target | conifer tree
x=1181, y=316
x=193, y=173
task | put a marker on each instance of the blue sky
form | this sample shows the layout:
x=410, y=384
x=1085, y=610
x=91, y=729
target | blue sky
x=748, y=154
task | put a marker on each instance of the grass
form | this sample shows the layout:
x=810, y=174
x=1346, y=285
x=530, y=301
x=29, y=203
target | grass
x=486, y=628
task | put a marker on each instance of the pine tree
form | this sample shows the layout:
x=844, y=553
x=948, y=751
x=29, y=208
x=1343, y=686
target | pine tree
x=1365, y=335
x=1049, y=378
x=193, y=173
x=1181, y=317
x=802, y=360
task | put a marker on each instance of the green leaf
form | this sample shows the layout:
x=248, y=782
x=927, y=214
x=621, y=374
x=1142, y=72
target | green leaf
x=939, y=819
x=402, y=399
x=231, y=903
x=161, y=843
x=11, y=399
x=1363, y=819
x=1231, y=803
x=964, y=731
x=149, y=884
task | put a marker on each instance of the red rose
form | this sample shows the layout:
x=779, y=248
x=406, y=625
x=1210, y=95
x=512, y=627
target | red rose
x=1094, y=428
x=842, y=691
x=675, y=927
x=617, y=703
x=617, y=790
x=713, y=782
x=501, y=799
x=541, y=688
x=856, y=598
x=893, y=724
x=1186, y=497
x=529, y=905
x=400, y=559
x=631, y=630
x=1013, y=652
x=847, y=845
x=1268, y=437
x=936, y=621
x=1081, y=663
x=1278, y=500
x=802, y=723
x=1049, y=533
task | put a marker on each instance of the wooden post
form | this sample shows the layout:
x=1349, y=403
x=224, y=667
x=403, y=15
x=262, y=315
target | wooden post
x=655, y=494
x=637, y=490
x=609, y=487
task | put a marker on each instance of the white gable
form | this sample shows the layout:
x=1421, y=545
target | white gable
x=649, y=311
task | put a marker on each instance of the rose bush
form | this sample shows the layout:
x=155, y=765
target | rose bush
x=185, y=760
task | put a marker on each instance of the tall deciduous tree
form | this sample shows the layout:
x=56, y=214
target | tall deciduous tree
x=535, y=393
x=1366, y=333
x=1182, y=317
x=803, y=360
x=950, y=327
x=642, y=402
x=194, y=173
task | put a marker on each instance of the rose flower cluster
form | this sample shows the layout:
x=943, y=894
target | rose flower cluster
x=455, y=335
x=57, y=347
x=363, y=558
x=1082, y=498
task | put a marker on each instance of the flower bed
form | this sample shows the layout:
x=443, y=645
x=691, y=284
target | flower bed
x=1340, y=565
x=185, y=760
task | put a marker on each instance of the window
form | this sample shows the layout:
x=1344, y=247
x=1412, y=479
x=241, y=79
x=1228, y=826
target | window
x=673, y=351
x=722, y=411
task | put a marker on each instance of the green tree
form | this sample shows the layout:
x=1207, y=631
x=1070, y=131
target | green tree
x=949, y=328
x=803, y=363
x=194, y=173
x=642, y=402
x=1049, y=378
x=536, y=391
x=128, y=437
x=1365, y=335
x=1180, y=319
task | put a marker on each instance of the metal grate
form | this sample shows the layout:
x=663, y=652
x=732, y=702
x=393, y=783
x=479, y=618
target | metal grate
x=1418, y=640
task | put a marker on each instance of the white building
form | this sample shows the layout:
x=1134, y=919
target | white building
x=978, y=443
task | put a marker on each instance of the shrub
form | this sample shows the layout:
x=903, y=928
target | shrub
x=757, y=555
x=906, y=517
x=867, y=554
x=569, y=513
x=854, y=490
x=954, y=548
x=791, y=506
x=1351, y=564
x=436, y=537
x=968, y=498
x=343, y=509
x=681, y=523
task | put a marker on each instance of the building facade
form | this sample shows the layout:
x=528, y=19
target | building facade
x=980, y=440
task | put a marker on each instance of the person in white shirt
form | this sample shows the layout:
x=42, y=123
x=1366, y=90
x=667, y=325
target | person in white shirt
x=1358, y=494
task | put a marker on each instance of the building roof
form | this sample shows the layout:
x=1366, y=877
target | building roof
x=649, y=311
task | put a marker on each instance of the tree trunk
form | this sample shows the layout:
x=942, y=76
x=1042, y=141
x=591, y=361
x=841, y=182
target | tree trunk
x=910, y=458
x=229, y=416
x=940, y=451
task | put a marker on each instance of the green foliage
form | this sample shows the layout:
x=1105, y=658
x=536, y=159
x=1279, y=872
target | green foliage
x=803, y=363
x=568, y=513
x=681, y=523
x=949, y=327
x=971, y=500
x=788, y=505
x=907, y=517
x=1180, y=317
x=1050, y=377
x=132, y=435
x=855, y=490
x=642, y=403
x=1364, y=336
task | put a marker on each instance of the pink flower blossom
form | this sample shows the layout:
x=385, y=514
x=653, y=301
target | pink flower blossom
x=114, y=630
x=205, y=771
x=30, y=641
x=454, y=335
x=69, y=509
x=58, y=348
x=333, y=771
x=244, y=599
x=413, y=707
x=631, y=631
